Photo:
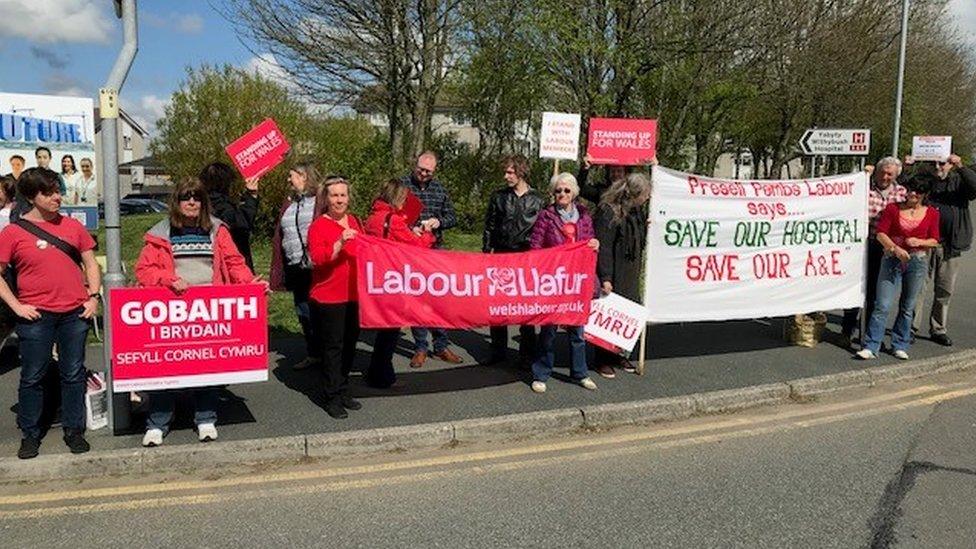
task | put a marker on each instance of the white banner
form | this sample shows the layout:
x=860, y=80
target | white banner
x=615, y=323
x=559, y=138
x=932, y=147
x=723, y=249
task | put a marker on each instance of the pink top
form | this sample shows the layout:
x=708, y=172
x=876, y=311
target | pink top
x=898, y=228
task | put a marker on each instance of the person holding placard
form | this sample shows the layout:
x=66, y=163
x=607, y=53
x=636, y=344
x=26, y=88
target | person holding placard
x=565, y=221
x=188, y=248
x=511, y=213
x=621, y=228
x=951, y=194
x=593, y=191
x=217, y=178
x=906, y=231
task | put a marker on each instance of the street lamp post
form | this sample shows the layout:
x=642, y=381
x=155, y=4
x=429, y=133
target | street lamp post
x=896, y=132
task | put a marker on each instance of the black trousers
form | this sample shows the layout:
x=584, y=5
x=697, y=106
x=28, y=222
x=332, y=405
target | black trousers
x=875, y=255
x=339, y=330
x=527, y=342
x=299, y=282
x=380, y=373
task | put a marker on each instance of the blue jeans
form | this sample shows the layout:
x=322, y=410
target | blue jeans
x=37, y=339
x=162, y=406
x=420, y=339
x=893, y=276
x=542, y=367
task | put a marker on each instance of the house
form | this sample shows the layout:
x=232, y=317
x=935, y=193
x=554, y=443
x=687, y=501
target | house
x=132, y=141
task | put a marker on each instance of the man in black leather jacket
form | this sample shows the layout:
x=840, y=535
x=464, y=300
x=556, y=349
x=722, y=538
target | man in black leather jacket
x=508, y=225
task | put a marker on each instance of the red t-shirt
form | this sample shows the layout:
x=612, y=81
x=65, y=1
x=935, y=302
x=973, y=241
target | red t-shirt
x=333, y=281
x=46, y=277
x=892, y=224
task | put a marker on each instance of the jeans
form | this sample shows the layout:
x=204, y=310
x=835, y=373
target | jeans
x=499, y=341
x=420, y=339
x=380, y=373
x=162, y=405
x=542, y=367
x=299, y=282
x=339, y=331
x=942, y=273
x=37, y=339
x=894, y=277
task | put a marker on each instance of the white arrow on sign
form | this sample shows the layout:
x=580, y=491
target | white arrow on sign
x=827, y=142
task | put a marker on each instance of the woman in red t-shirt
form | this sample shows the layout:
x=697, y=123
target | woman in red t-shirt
x=906, y=231
x=57, y=295
x=333, y=295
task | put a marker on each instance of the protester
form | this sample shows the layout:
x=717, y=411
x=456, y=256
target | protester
x=954, y=189
x=58, y=285
x=188, y=248
x=71, y=178
x=217, y=178
x=291, y=267
x=387, y=220
x=621, y=227
x=8, y=190
x=511, y=213
x=884, y=190
x=564, y=221
x=333, y=293
x=437, y=216
x=594, y=191
x=905, y=231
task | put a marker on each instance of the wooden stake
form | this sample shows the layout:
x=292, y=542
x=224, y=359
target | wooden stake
x=555, y=167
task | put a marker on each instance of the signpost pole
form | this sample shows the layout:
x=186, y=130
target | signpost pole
x=896, y=131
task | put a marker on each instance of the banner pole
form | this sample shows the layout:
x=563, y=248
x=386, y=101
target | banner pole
x=555, y=167
x=642, y=353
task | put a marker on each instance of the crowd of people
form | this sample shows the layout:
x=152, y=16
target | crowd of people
x=919, y=227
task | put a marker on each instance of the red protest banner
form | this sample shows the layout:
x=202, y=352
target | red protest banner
x=258, y=151
x=209, y=335
x=403, y=285
x=621, y=141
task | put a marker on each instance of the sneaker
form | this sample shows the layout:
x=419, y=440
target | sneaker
x=29, y=448
x=306, y=363
x=539, y=386
x=153, y=437
x=76, y=443
x=334, y=408
x=206, y=432
x=587, y=383
x=418, y=359
x=448, y=355
x=900, y=355
x=941, y=339
x=350, y=403
x=865, y=354
x=628, y=366
x=606, y=370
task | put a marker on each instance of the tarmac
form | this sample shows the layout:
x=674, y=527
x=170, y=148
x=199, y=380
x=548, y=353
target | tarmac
x=692, y=369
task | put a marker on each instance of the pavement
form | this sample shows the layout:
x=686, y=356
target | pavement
x=693, y=368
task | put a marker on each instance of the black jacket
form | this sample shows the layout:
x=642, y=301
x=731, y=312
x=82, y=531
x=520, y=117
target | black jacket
x=509, y=220
x=591, y=192
x=239, y=220
x=621, y=249
x=952, y=196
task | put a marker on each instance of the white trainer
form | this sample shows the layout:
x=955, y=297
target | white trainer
x=153, y=437
x=588, y=383
x=900, y=355
x=865, y=354
x=207, y=432
x=538, y=386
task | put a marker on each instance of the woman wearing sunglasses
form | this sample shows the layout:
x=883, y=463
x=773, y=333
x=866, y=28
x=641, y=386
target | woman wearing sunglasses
x=906, y=231
x=564, y=221
x=188, y=248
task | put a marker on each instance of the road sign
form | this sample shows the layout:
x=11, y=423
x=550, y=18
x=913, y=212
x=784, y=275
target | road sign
x=827, y=142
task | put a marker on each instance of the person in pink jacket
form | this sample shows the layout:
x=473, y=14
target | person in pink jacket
x=188, y=248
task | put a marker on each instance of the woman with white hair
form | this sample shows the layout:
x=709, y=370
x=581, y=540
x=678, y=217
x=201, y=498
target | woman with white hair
x=884, y=190
x=621, y=226
x=563, y=221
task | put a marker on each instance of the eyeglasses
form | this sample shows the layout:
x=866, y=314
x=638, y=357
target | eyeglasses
x=562, y=191
x=185, y=197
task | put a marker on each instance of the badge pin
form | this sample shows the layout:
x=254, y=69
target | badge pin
x=42, y=244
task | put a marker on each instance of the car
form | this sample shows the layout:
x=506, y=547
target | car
x=129, y=206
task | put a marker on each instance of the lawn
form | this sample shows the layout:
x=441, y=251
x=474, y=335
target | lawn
x=281, y=313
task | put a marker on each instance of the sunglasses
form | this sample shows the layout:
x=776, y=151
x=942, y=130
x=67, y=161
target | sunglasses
x=185, y=197
x=562, y=191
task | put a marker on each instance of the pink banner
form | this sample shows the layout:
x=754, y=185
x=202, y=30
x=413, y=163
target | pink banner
x=209, y=335
x=622, y=141
x=402, y=285
x=258, y=151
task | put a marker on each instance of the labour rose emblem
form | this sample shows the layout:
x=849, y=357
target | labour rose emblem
x=502, y=281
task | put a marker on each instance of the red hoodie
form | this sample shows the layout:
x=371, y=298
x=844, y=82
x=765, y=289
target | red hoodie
x=386, y=222
x=156, y=266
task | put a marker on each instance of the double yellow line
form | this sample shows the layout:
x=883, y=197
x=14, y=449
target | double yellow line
x=460, y=463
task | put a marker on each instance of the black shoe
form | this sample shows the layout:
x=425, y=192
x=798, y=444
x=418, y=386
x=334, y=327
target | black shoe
x=76, y=443
x=334, y=408
x=350, y=403
x=942, y=339
x=29, y=448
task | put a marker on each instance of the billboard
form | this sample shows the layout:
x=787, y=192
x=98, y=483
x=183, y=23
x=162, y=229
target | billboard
x=58, y=133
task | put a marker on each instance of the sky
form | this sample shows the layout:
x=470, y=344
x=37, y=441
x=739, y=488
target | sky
x=67, y=47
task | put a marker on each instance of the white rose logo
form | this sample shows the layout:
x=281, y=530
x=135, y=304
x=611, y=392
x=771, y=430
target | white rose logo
x=502, y=281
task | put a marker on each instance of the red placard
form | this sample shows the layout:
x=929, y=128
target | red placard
x=401, y=285
x=622, y=141
x=209, y=335
x=258, y=151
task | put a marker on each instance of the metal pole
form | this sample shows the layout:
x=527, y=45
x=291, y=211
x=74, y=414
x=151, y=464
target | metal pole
x=896, y=131
x=118, y=411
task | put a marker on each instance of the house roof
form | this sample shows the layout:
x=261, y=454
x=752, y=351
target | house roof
x=148, y=163
x=128, y=120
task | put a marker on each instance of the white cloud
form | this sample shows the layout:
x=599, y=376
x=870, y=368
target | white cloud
x=185, y=23
x=59, y=83
x=53, y=21
x=189, y=24
x=147, y=111
x=266, y=65
x=963, y=12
